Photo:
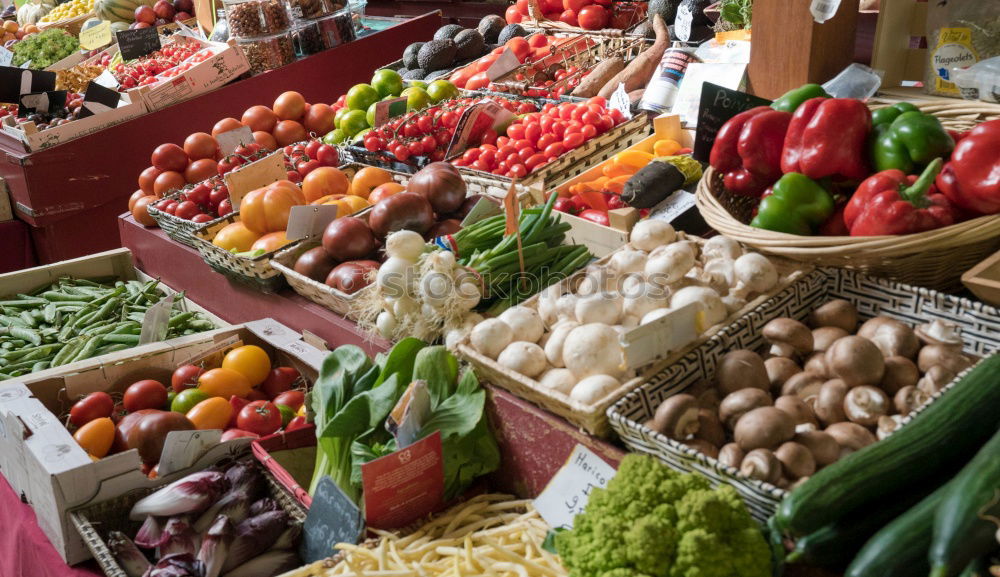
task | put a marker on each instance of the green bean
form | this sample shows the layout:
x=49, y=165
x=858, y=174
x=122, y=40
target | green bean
x=112, y=348
x=23, y=303
x=120, y=338
x=67, y=352
x=40, y=366
x=100, y=328
x=26, y=334
x=28, y=318
x=180, y=320
x=200, y=325
x=56, y=296
x=6, y=345
x=126, y=327
x=87, y=350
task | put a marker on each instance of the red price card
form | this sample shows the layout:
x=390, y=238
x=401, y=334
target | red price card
x=404, y=486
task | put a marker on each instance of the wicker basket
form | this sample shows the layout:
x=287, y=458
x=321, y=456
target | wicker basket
x=256, y=273
x=96, y=521
x=71, y=25
x=593, y=418
x=872, y=296
x=934, y=259
x=589, y=154
x=177, y=228
x=538, y=21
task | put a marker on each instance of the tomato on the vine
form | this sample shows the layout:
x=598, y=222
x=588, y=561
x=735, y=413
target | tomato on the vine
x=260, y=417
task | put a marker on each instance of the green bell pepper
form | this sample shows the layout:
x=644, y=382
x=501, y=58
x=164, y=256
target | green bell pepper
x=791, y=100
x=909, y=142
x=797, y=205
x=889, y=113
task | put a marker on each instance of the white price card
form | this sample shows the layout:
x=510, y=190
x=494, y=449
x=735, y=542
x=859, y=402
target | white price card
x=619, y=100
x=823, y=10
x=682, y=24
x=155, y=321
x=6, y=56
x=182, y=448
x=567, y=493
x=233, y=139
x=309, y=220
x=503, y=65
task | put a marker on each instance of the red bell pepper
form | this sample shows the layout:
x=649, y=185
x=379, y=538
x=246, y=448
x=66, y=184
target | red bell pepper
x=747, y=150
x=906, y=205
x=971, y=180
x=826, y=138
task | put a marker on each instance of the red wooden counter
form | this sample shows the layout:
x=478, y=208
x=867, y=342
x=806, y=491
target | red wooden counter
x=71, y=194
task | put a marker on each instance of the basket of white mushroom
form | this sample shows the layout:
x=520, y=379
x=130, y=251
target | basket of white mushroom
x=568, y=348
x=824, y=368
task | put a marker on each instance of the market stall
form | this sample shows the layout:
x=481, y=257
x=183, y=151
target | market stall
x=577, y=290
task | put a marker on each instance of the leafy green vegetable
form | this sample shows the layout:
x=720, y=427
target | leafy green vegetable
x=652, y=521
x=44, y=49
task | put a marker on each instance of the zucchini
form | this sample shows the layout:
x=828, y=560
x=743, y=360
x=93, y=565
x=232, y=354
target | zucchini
x=900, y=548
x=943, y=436
x=961, y=531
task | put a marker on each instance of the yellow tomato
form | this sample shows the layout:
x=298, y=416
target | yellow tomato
x=235, y=236
x=250, y=361
x=211, y=413
x=224, y=383
x=666, y=147
x=96, y=436
x=352, y=204
x=302, y=411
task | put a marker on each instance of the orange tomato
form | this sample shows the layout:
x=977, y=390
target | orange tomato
x=225, y=125
x=135, y=197
x=324, y=181
x=250, y=361
x=327, y=199
x=235, y=236
x=352, y=204
x=224, y=383
x=367, y=179
x=96, y=436
x=270, y=242
x=139, y=212
x=384, y=191
x=211, y=413
x=266, y=209
x=265, y=139
x=289, y=106
x=319, y=119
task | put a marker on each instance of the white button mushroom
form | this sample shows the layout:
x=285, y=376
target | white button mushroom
x=594, y=388
x=594, y=349
x=561, y=380
x=650, y=233
x=491, y=336
x=523, y=357
x=525, y=322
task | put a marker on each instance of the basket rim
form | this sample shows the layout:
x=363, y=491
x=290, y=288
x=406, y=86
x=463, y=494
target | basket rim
x=201, y=232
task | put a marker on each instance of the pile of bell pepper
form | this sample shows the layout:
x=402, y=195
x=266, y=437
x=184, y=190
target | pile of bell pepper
x=823, y=165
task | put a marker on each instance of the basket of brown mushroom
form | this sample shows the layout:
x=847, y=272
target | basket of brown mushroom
x=831, y=364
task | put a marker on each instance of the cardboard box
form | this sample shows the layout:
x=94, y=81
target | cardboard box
x=604, y=240
x=117, y=263
x=32, y=139
x=43, y=463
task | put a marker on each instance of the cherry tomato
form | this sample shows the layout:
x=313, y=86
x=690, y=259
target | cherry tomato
x=594, y=215
x=545, y=140
x=96, y=436
x=293, y=399
x=185, y=377
x=515, y=131
x=145, y=394
x=534, y=161
x=488, y=157
x=94, y=406
x=328, y=155
x=186, y=210
x=249, y=360
x=401, y=152
x=533, y=132
x=599, y=101
x=213, y=413
x=471, y=155
x=307, y=166
x=260, y=417
x=518, y=171
x=312, y=149
x=558, y=129
x=279, y=380
x=217, y=195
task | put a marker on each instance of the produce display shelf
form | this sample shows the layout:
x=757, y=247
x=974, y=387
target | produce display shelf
x=71, y=194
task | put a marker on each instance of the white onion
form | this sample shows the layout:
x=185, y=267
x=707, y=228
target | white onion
x=386, y=324
x=395, y=277
x=405, y=244
x=435, y=288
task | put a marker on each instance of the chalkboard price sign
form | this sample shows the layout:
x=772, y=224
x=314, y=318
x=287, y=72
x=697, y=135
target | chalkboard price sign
x=333, y=518
x=718, y=105
x=138, y=42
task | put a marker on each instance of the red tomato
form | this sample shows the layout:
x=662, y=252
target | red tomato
x=231, y=434
x=296, y=423
x=588, y=131
x=145, y=394
x=571, y=141
x=534, y=161
x=477, y=81
x=539, y=40
x=517, y=171
x=593, y=17
x=520, y=47
x=599, y=101
x=237, y=405
x=94, y=406
x=554, y=150
x=293, y=399
x=594, y=215
x=185, y=377
x=259, y=417
x=278, y=381
x=575, y=5
x=256, y=395
x=513, y=15
x=169, y=157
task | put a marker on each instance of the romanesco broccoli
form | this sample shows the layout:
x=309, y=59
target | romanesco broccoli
x=651, y=521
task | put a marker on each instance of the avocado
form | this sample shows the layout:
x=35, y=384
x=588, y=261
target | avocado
x=470, y=44
x=665, y=8
x=509, y=31
x=414, y=74
x=437, y=74
x=448, y=32
x=490, y=27
x=437, y=54
x=410, y=54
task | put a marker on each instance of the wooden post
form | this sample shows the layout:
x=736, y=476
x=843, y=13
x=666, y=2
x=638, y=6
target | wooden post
x=790, y=49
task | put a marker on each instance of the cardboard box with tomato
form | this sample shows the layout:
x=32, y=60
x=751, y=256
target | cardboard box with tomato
x=49, y=467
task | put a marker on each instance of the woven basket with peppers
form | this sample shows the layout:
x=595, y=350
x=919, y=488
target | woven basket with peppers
x=837, y=182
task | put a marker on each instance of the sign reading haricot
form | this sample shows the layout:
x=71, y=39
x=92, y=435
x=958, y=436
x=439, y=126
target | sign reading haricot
x=567, y=493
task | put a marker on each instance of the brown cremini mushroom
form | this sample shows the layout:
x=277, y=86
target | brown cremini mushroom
x=703, y=446
x=710, y=428
x=677, y=417
x=709, y=399
x=887, y=425
x=741, y=369
x=934, y=380
x=864, y=405
x=737, y=404
x=823, y=337
x=779, y=370
x=836, y=313
x=731, y=455
x=856, y=361
x=947, y=356
x=803, y=385
x=796, y=460
x=850, y=436
x=794, y=405
x=829, y=405
x=761, y=464
x=788, y=338
x=899, y=372
x=824, y=448
x=939, y=332
x=909, y=399
x=816, y=364
x=763, y=428
x=892, y=337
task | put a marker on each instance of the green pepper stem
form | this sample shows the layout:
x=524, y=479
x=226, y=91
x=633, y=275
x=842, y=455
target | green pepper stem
x=916, y=193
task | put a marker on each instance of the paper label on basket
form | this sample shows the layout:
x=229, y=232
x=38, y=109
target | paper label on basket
x=619, y=101
x=682, y=23
x=567, y=493
x=404, y=486
x=6, y=56
x=495, y=117
x=673, y=206
x=503, y=65
x=96, y=36
x=258, y=174
x=272, y=331
x=407, y=418
x=306, y=352
x=659, y=338
x=717, y=105
x=310, y=220
x=41, y=102
x=107, y=80
x=230, y=140
x=485, y=207
x=823, y=10
x=182, y=448
x=386, y=109
x=138, y=42
x=332, y=518
x=154, y=322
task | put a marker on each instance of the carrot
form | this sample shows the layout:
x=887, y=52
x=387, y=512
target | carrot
x=639, y=71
